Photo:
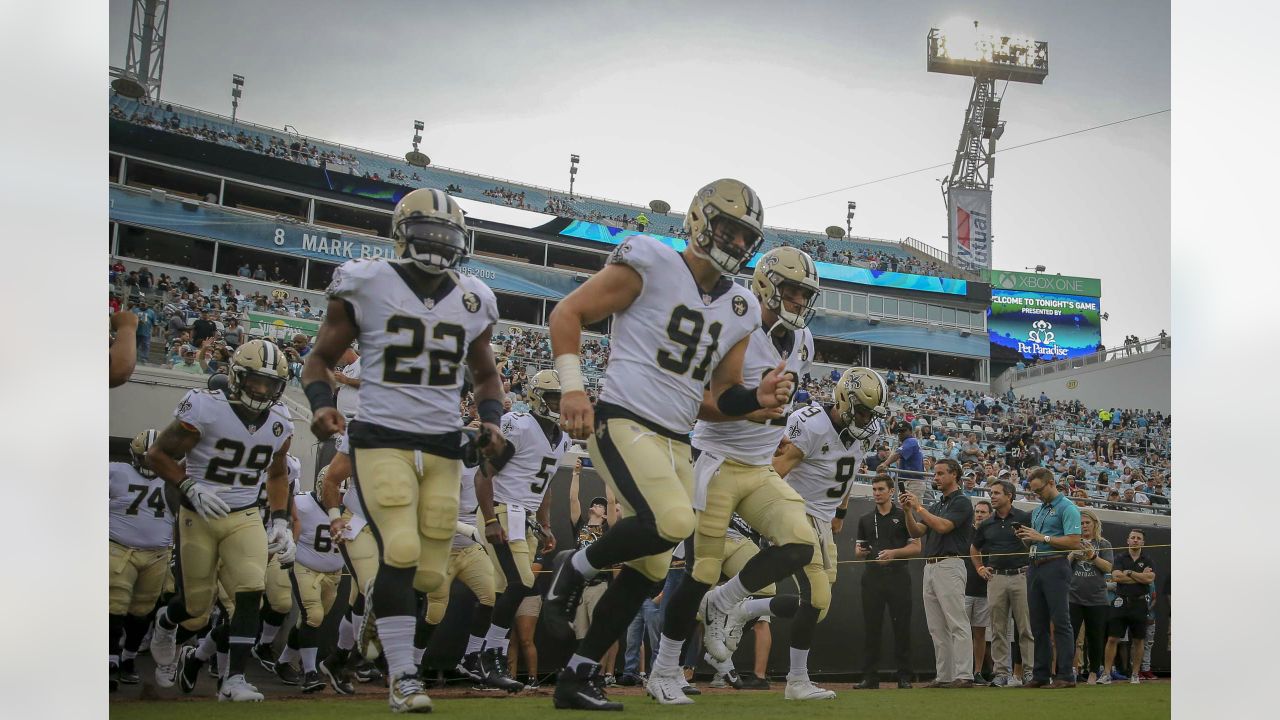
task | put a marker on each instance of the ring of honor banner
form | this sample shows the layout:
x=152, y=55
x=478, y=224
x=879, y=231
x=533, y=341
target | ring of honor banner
x=969, y=227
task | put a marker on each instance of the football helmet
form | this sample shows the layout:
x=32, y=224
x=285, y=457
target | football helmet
x=728, y=201
x=861, y=387
x=138, y=452
x=786, y=267
x=259, y=373
x=428, y=227
x=544, y=395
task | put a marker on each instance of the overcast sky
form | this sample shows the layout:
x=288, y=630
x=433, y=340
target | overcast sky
x=794, y=99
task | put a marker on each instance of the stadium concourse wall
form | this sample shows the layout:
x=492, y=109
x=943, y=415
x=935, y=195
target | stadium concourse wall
x=1140, y=380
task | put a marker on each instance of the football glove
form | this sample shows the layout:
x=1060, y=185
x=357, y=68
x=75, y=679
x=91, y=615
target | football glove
x=280, y=541
x=205, y=501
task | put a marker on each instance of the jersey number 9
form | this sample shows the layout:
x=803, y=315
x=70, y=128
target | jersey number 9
x=685, y=329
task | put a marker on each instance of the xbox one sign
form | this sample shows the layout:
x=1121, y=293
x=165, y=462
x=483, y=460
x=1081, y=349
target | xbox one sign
x=1029, y=282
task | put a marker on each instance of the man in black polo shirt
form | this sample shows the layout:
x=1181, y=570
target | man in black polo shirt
x=947, y=527
x=886, y=584
x=1006, y=576
x=1133, y=574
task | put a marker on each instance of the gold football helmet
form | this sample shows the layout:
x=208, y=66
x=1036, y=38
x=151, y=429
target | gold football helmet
x=259, y=373
x=428, y=227
x=544, y=395
x=861, y=401
x=786, y=267
x=138, y=452
x=730, y=201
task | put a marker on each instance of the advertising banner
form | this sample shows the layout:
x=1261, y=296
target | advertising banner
x=280, y=326
x=1045, y=326
x=969, y=227
x=1039, y=282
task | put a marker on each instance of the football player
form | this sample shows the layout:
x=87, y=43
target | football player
x=418, y=321
x=733, y=473
x=507, y=487
x=315, y=575
x=278, y=593
x=141, y=530
x=680, y=322
x=468, y=562
x=359, y=553
x=228, y=439
x=819, y=456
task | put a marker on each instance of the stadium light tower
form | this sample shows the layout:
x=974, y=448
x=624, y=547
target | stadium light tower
x=144, y=61
x=237, y=91
x=415, y=156
x=849, y=218
x=573, y=173
x=985, y=56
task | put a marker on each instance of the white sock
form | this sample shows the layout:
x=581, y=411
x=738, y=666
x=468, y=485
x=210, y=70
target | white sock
x=475, y=643
x=724, y=668
x=577, y=660
x=396, y=634
x=346, y=635
x=288, y=655
x=206, y=649
x=729, y=594
x=309, y=659
x=581, y=565
x=668, y=655
x=496, y=637
x=129, y=655
x=223, y=659
x=115, y=659
x=269, y=632
x=758, y=607
x=417, y=655
x=799, y=663
x=357, y=619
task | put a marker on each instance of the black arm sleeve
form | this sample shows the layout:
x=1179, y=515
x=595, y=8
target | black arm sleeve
x=738, y=401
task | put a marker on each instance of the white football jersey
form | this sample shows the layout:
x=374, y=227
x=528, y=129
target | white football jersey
x=524, y=479
x=138, y=517
x=467, y=506
x=747, y=442
x=232, y=455
x=830, y=461
x=664, y=347
x=413, y=347
x=348, y=396
x=295, y=485
x=351, y=497
x=316, y=549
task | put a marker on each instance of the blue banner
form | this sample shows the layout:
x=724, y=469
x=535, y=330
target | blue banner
x=827, y=271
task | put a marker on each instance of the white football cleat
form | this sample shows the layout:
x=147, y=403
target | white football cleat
x=237, y=689
x=667, y=687
x=804, y=689
x=408, y=695
x=722, y=630
x=164, y=643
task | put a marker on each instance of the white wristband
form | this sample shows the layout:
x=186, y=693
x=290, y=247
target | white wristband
x=569, y=368
x=334, y=513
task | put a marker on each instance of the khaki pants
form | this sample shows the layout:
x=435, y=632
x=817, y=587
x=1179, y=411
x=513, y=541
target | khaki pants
x=587, y=608
x=522, y=552
x=412, y=503
x=237, y=540
x=136, y=576
x=763, y=499
x=1007, y=594
x=471, y=565
x=315, y=592
x=279, y=590
x=948, y=622
x=652, y=477
x=820, y=573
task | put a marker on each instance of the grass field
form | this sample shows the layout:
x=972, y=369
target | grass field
x=1122, y=700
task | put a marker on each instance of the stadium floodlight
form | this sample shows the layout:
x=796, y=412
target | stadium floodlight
x=1038, y=268
x=961, y=48
x=573, y=172
x=849, y=218
x=415, y=157
x=237, y=91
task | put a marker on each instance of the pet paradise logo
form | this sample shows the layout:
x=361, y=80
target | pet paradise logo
x=1043, y=325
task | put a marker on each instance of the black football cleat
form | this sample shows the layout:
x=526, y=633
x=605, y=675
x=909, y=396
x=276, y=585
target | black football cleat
x=560, y=605
x=582, y=689
x=128, y=673
x=495, y=673
x=311, y=682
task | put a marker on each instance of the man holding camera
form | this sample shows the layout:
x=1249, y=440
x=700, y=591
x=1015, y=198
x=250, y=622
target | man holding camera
x=1006, y=576
x=886, y=584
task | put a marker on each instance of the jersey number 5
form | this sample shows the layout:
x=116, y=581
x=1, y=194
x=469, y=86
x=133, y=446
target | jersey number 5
x=442, y=364
x=685, y=329
x=544, y=475
x=844, y=473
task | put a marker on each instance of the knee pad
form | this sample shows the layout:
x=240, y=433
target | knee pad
x=439, y=518
x=436, y=610
x=707, y=570
x=795, y=555
x=676, y=524
x=401, y=548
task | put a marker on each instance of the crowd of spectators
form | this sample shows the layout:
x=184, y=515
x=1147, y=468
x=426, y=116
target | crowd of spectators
x=862, y=256
x=508, y=197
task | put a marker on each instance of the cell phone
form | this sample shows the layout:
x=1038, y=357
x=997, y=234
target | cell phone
x=1016, y=525
x=902, y=486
